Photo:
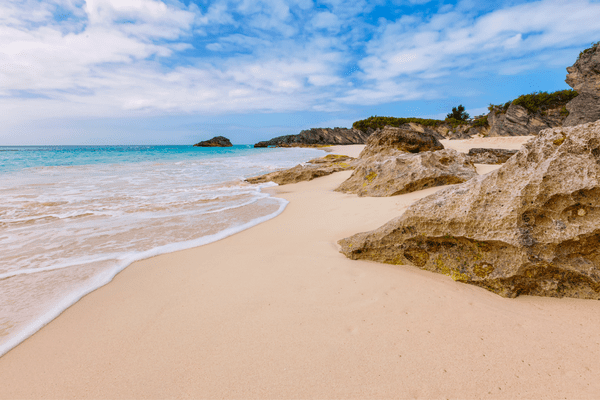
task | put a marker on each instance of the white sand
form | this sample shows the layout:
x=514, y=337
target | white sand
x=277, y=312
x=352, y=150
x=509, y=143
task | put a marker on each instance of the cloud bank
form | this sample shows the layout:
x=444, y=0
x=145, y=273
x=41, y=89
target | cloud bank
x=120, y=58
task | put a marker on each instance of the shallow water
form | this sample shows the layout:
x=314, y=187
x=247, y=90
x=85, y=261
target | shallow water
x=73, y=217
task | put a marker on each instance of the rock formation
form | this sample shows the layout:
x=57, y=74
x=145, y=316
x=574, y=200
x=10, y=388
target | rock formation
x=389, y=175
x=305, y=172
x=584, y=77
x=490, y=156
x=217, y=141
x=318, y=136
x=390, y=140
x=531, y=227
x=518, y=121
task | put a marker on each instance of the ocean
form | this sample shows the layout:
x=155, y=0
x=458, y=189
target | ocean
x=72, y=217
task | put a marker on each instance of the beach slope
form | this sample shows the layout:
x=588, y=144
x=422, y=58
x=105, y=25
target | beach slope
x=277, y=312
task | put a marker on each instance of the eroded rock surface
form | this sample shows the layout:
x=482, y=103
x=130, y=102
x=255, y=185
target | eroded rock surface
x=389, y=175
x=317, y=137
x=584, y=77
x=217, y=141
x=490, y=156
x=390, y=140
x=518, y=121
x=305, y=172
x=531, y=227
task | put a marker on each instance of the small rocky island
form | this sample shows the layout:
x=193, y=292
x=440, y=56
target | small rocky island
x=217, y=141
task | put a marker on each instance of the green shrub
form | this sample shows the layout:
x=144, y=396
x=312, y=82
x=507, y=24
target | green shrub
x=458, y=113
x=500, y=108
x=455, y=122
x=379, y=122
x=483, y=122
x=541, y=101
x=564, y=112
x=592, y=49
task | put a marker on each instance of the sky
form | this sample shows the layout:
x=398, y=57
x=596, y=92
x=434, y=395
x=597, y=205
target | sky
x=96, y=72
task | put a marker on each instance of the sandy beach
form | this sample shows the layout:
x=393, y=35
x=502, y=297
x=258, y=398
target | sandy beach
x=277, y=312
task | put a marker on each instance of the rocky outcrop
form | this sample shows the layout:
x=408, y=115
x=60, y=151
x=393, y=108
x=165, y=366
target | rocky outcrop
x=518, y=121
x=318, y=136
x=390, y=140
x=305, y=172
x=490, y=156
x=531, y=227
x=584, y=77
x=217, y=141
x=389, y=175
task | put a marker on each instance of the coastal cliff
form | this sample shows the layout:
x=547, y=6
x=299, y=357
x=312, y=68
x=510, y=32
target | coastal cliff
x=318, y=137
x=584, y=77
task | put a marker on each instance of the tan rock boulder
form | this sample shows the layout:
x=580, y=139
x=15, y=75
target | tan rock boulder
x=305, y=172
x=518, y=121
x=389, y=140
x=389, y=175
x=531, y=227
x=584, y=77
x=490, y=156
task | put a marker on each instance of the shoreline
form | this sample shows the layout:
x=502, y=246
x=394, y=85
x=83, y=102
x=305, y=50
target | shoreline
x=286, y=315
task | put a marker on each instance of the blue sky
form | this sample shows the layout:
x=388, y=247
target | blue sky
x=176, y=72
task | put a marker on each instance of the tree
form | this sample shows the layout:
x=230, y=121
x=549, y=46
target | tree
x=458, y=113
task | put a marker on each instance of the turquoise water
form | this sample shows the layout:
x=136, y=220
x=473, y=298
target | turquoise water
x=14, y=158
x=71, y=217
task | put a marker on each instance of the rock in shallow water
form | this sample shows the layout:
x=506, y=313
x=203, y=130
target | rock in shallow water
x=217, y=141
x=531, y=227
x=389, y=175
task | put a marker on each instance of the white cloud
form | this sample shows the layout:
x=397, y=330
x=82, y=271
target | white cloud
x=120, y=57
x=454, y=41
x=326, y=20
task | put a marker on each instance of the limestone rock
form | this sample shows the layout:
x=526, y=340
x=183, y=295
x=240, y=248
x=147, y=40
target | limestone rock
x=531, y=227
x=389, y=140
x=318, y=136
x=584, y=77
x=490, y=156
x=389, y=175
x=217, y=141
x=305, y=172
x=517, y=121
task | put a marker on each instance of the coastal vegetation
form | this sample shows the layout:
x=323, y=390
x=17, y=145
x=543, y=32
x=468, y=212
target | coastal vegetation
x=592, y=49
x=538, y=101
x=481, y=122
x=376, y=122
x=458, y=113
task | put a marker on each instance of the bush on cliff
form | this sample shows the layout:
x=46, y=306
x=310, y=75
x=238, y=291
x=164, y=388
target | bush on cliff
x=380, y=122
x=483, y=122
x=538, y=101
x=591, y=49
x=542, y=101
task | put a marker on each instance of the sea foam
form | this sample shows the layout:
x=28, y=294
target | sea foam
x=67, y=230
